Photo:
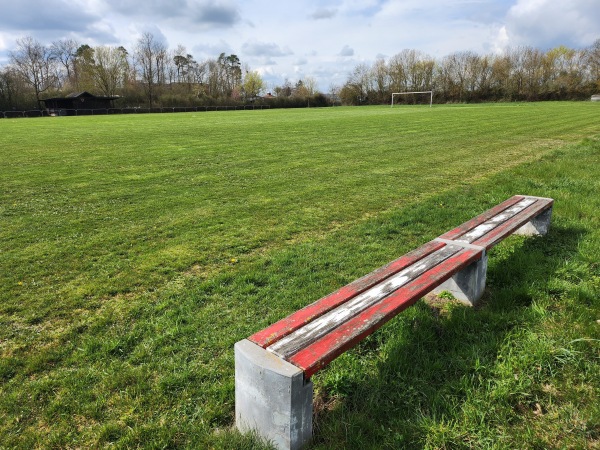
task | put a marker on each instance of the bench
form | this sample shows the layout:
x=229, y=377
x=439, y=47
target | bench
x=273, y=391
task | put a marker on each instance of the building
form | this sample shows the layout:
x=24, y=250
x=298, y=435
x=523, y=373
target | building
x=69, y=105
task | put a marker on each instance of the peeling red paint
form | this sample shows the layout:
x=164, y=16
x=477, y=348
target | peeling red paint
x=457, y=232
x=348, y=334
x=296, y=320
x=311, y=346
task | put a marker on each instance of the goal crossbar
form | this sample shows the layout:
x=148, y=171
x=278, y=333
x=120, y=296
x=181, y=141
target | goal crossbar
x=414, y=92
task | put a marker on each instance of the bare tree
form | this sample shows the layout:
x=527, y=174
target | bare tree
x=362, y=82
x=36, y=64
x=593, y=62
x=398, y=72
x=150, y=56
x=284, y=90
x=10, y=82
x=381, y=79
x=64, y=51
x=334, y=93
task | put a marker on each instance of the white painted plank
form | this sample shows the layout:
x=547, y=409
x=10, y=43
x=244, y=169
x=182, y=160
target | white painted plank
x=312, y=331
x=489, y=225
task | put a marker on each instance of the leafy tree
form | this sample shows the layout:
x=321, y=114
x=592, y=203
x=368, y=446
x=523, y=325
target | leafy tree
x=83, y=73
x=110, y=69
x=253, y=84
x=230, y=71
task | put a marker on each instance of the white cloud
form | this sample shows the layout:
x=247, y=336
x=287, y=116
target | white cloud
x=549, y=23
x=212, y=50
x=502, y=40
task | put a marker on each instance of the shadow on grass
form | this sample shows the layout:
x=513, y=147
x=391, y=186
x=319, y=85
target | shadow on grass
x=413, y=378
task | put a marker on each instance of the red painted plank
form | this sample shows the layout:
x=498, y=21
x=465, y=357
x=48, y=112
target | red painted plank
x=510, y=226
x=331, y=320
x=467, y=226
x=282, y=328
x=320, y=353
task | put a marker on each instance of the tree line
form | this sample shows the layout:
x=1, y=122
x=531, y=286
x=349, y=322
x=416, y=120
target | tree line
x=522, y=73
x=152, y=75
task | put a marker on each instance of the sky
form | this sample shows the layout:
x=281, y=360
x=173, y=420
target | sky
x=294, y=39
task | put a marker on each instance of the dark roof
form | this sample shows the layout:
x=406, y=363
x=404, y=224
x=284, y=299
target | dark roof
x=83, y=94
x=80, y=94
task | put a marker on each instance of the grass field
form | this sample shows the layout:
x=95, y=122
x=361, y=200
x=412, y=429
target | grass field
x=136, y=250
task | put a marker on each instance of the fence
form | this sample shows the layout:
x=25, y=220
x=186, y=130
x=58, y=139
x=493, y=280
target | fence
x=103, y=112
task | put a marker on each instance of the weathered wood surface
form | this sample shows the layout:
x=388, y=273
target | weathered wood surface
x=490, y=213
x=511, y=225
x=284, y=327
x=492, y=226
x=325, y=324
x=315, y=335
x=321, y=352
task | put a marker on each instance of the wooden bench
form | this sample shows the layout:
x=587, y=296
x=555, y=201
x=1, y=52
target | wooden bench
x=273, y=391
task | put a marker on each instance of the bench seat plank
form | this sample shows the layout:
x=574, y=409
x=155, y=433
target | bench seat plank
x=288, y=325
x=490, y=213
x=492, y=226
x=326, y=323
x=321, y=352
x=496, y=235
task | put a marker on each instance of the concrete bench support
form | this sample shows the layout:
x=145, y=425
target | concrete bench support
x=271, y=397
x=467, y=285
x=538, y=226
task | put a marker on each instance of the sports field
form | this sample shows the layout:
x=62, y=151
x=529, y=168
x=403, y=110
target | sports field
x=135, y=250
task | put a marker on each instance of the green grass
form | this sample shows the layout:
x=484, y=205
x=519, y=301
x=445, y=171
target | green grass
x=136, y=250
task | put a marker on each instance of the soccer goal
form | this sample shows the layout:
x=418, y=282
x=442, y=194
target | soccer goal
x=414, y=92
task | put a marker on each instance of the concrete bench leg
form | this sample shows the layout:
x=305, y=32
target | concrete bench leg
x=271, y=397
x=537, y=226
x=468, y=284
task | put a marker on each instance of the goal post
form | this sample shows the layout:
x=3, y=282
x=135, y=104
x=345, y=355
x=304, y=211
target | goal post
x=414, y=92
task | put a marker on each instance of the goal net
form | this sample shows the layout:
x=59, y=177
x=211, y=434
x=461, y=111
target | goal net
x=413, y=94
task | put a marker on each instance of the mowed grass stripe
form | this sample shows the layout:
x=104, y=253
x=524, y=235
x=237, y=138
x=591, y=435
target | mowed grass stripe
x=100, y=228
x=184, y=181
